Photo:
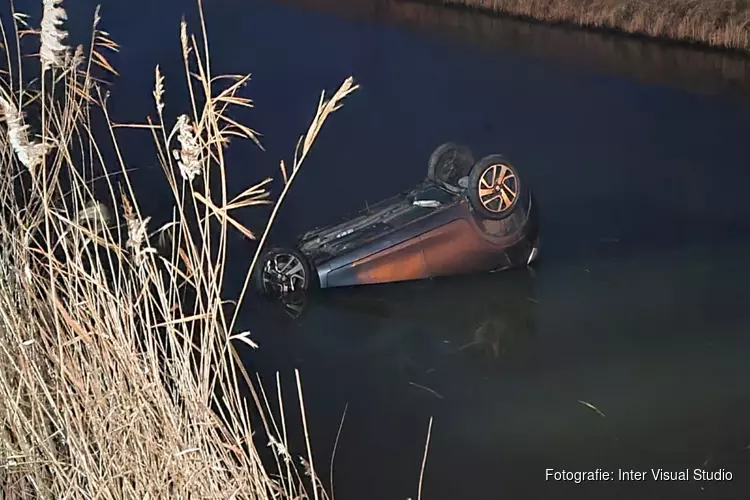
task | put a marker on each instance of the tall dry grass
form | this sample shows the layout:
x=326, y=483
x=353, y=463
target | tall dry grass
x=719, y=23
x=118, y=371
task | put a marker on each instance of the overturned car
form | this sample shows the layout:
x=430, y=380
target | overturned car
x=465, y=217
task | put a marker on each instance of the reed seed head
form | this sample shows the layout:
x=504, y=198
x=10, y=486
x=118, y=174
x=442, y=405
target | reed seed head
x=189, y=156
x=29, y=153
x=53, y=51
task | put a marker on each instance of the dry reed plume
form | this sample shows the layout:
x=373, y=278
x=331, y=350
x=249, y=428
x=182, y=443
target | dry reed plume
x=118, y=374
x=719, y=23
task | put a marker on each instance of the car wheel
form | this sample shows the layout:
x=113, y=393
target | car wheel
x=449, y=163
x=494, y=187
x=281, y=271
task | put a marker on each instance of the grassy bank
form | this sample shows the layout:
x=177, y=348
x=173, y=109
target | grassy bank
x=718, y=23
x=118, y=371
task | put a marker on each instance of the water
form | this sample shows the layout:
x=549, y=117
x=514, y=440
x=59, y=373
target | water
x=639, y=156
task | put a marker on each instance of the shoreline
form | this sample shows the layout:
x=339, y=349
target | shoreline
x=720, y=25
x=689, y=67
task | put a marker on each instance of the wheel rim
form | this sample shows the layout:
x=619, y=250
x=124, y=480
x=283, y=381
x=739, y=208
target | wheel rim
x=284, y=273
x=498, y=188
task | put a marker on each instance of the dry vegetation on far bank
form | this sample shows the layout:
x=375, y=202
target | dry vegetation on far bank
x=719, y=23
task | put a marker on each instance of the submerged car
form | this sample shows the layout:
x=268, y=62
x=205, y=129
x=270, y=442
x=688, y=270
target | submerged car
x=465, y=217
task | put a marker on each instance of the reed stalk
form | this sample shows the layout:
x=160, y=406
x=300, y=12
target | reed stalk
x=119, y=372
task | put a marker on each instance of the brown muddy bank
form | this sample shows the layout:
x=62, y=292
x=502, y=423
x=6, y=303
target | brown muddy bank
x=689, y=68
x=717, y=23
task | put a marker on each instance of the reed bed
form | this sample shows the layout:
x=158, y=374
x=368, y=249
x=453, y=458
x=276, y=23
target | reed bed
x=718, y=23
x=119, y=376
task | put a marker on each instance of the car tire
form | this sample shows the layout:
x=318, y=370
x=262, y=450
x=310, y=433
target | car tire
x=281, y=271
x=448, y=163
x=494, y=187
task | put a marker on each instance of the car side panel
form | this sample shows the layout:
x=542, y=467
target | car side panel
x=458, y=248
x=433, y=218
x=364, y=262
x=448, y=242
x=402, y=262
x=468, y=245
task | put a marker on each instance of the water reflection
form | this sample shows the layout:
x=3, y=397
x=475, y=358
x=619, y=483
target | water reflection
x=693, y=69
x=421, y=325
x=503, y=361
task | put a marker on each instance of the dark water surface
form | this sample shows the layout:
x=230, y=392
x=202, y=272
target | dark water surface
x=640, y=158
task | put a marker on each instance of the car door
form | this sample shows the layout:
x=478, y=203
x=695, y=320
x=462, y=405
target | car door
x=459, y=248
x=401, y=262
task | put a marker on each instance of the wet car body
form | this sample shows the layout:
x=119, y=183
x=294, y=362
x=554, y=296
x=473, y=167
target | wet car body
x=465, y=217
x=399, y=240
